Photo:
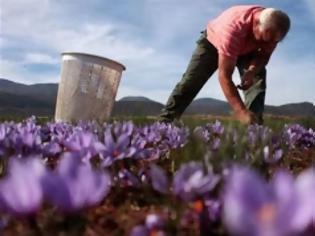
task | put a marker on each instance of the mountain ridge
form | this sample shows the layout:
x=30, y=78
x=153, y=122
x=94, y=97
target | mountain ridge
x=40, y=99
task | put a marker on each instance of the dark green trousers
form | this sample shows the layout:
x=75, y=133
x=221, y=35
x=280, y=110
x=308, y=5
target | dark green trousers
x=203, y=63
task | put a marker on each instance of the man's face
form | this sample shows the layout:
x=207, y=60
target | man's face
x=269, y=36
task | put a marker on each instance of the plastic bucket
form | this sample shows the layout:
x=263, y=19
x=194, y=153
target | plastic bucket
x=88, y=87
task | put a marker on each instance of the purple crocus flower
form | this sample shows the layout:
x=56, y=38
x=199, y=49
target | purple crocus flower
x=192, y=182
x=153, y=225
x=52, y=149
x=5, y=133
x=213, y=207
x=26, y=142
x=89, y=126
x=202, y=133
x=75, y=184
x=158, y=179
x=20, y=190
x=174, y=136
x=117, y=147
x=5, y=130
x=254, y=207
x=217, y=128
x=151, y=134
x=257, y=135
x=127, y=128
x=305, y=186
x=127, y=178
x=211, y=134
x=59, y=131
x=82, y=140
x=297, y=136
x=84, y=145
x=209, y=131
x=154, y=221
x=272, y=156
x=158, y=139
x=140, y=230
x=216, y=143
x=146, y=148
x=168, y=139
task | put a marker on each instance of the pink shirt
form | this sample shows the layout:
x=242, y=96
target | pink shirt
x=232, y=32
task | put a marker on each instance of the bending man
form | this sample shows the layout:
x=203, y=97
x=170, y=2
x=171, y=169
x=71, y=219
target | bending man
x=242, y=37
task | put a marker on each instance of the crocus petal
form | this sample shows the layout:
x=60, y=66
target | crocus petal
x=154, y=221
x=159, y=179
x=20, y=190
x=140, y=230
x=75, y=185
x=305, y=185
x=245, y=195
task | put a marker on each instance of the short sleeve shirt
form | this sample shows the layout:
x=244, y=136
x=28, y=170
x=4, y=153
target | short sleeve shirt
x=232, y=32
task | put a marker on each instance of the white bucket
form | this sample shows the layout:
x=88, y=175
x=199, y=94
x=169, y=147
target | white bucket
x=88, y=87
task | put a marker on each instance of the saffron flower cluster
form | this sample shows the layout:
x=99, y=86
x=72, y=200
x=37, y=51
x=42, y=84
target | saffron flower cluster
x=297, y=136
x=74, y=167
x=71, y=166
x=73, y=185
x=257, y=143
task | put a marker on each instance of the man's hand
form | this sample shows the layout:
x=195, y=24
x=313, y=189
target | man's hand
x=245, y=117
x=226, y=67
x=247, y=80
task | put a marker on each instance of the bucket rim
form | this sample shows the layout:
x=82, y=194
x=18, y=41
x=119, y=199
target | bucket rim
x=92, y=55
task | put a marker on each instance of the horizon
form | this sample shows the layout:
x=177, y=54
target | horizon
x=154, y=39
x=139, y=96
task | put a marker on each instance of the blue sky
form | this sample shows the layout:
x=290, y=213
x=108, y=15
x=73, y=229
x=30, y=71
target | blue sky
x=154, y=39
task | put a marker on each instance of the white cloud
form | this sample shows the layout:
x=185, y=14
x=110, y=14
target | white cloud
x=24, y=17
x=42, y=29
x=39, y=58
x=174, y=20
x=290, y=81
x=94, y=39
x=18, y=72
x=90, y=38
x=311, y=7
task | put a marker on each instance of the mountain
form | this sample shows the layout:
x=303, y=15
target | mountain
x=25, y=100
x=135, y=99
x=40, y=100
x=136, y=106
x=218, y=107
x=208, y=106
x=292, y=109
x=47, y=91
x=20, y=88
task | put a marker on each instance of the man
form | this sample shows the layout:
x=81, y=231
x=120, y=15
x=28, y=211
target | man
x=242, y=37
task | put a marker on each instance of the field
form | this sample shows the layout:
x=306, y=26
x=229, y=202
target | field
x=135, y=176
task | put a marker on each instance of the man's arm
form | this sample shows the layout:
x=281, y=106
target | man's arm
x=259, y=61
x=226, y=68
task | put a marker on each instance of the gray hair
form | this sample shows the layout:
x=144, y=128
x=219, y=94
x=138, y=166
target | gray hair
x=271, y=18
